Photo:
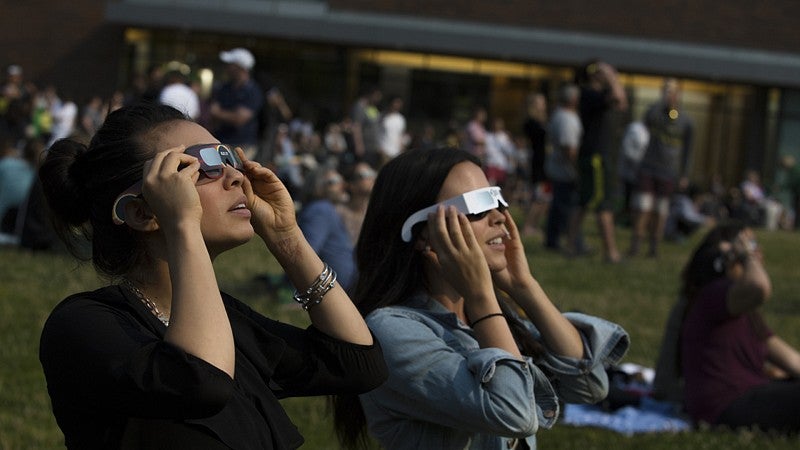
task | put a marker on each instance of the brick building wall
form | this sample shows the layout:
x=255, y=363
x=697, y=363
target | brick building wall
x=762, y=24
x=68, y=43
x=64, y=43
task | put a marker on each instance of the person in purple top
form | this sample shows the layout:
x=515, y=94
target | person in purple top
x=737, y=372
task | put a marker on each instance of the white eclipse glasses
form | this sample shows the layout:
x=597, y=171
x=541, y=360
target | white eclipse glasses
x=475, y=204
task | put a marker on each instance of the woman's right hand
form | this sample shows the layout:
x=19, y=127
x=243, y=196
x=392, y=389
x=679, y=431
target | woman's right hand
x=169, y=188
x=457, y=254
x=752, y=286
x=745, y=246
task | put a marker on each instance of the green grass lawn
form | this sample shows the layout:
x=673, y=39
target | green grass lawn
x=636, y=294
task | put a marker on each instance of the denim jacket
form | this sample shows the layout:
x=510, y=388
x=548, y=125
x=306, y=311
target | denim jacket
x=445, y=392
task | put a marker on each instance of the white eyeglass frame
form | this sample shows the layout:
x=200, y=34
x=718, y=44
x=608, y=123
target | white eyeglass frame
x=472, y=202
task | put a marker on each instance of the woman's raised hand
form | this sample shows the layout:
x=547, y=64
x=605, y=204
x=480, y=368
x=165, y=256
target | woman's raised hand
x=267, y=198
x=456, y=252
x=169, y=187
x=517, y=270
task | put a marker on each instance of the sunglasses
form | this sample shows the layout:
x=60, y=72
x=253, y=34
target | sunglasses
x=333, y=180
x=474, y=204
x=365, y=174
x=213, y=159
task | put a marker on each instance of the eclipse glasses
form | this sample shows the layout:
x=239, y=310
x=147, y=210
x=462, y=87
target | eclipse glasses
x=475, y=204
x=213, y=159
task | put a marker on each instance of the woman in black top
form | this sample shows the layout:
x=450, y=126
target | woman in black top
x=161, y=358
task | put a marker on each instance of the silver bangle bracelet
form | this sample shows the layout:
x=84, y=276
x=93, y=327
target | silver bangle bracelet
x=314, y=294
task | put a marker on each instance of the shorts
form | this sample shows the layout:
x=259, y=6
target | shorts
x=596, y=183
x=660, y=187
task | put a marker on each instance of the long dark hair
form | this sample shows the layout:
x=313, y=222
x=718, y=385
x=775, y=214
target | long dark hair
x=391, y=270
x=81, y=182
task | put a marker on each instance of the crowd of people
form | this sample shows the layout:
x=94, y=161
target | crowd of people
x=428, y=328
x=173, y=361
x=558, y=166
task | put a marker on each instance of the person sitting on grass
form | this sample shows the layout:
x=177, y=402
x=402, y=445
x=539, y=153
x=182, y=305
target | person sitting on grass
x=736, y=371
x=161, y=358
x=442, y=276
x=322, y=226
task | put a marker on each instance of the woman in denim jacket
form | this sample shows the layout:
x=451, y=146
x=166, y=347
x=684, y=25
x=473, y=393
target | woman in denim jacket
x=465, y=369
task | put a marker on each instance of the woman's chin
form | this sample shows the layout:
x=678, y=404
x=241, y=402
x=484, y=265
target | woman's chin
x=231, y=242
x=497, y=264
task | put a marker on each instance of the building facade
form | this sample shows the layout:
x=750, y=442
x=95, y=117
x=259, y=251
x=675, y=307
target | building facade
x=738, y=61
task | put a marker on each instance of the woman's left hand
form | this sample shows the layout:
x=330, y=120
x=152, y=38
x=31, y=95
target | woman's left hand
x=456, y=253
x=267, y=199
x=517, y=271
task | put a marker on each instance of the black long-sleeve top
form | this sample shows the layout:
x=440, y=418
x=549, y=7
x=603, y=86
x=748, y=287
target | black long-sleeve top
x=114, y=383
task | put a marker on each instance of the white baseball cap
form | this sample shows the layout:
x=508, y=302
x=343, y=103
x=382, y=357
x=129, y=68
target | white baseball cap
x=239, y=56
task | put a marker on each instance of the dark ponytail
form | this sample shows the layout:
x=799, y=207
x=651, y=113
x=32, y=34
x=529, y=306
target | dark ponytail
x=66, y=178
x=81, y=183
x=62, y=183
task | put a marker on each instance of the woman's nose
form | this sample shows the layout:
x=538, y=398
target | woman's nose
x=497, y=215
x=233, y=177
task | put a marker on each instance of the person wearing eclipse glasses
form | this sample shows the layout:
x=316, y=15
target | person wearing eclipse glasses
x=718, y=354
x=443, y=278
x=161, y=358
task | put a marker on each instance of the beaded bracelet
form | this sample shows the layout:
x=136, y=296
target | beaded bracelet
x=321, y=285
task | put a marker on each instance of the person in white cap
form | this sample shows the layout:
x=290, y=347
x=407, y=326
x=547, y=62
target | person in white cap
x=14, y=77
x=236, y=103
x=13, y=95
x=13, y=88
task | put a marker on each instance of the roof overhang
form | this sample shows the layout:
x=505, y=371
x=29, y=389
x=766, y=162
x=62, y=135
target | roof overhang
x=314, y=21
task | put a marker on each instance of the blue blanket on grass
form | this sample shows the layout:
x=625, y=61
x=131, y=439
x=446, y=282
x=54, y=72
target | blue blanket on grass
x=648, y=417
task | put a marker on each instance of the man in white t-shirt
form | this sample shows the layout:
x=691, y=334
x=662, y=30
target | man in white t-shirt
x=564, y=131
x=179, y=95
x=64, y=112
x=393, y=137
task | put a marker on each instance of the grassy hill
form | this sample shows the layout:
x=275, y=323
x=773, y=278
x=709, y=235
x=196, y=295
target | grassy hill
x=636, y=294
